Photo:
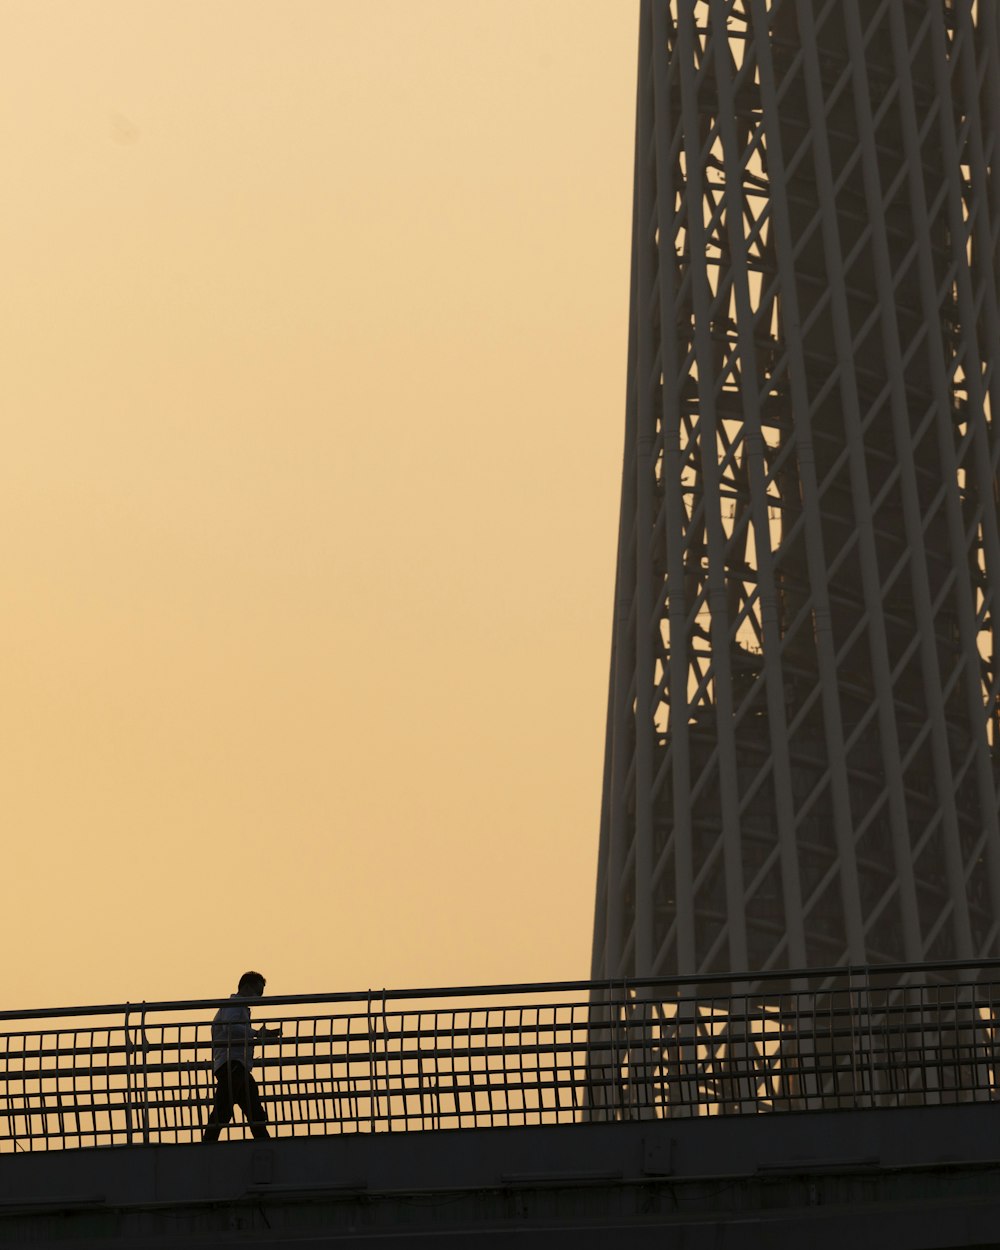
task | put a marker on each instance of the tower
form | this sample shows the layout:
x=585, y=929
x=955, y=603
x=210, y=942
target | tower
x=801, y=760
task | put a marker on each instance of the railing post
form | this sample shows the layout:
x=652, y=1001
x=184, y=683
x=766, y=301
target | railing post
x=602, y=1054
x=372, y=1068
x=856, y=1000
x=145, y=1083
x=386, y=1075
x=620, y=1023
x=128, y=1079
x=871, y=1040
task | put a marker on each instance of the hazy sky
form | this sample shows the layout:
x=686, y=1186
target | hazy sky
x=314, y=326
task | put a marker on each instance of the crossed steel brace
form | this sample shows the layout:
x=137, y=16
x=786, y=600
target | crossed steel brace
x=801, y=762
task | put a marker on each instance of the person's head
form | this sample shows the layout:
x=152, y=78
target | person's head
x=251, y=985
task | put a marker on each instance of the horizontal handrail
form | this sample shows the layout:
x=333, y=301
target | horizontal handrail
x=894, y=972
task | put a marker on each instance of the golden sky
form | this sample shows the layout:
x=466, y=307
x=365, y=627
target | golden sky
x=314, y=324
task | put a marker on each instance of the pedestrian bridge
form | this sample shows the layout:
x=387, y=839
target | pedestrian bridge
x=742, y=1104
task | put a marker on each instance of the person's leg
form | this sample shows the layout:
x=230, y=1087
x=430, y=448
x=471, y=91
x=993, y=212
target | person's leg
x=222, y=1109
x=258, y=1115
x=247, y=1096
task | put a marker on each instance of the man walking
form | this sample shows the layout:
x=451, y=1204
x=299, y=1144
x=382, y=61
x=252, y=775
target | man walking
x=233, y=1042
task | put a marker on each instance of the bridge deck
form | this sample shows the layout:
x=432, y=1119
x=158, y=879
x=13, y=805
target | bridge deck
x=911, y=1178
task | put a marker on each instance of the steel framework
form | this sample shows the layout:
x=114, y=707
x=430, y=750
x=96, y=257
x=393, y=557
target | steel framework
x=801, y=762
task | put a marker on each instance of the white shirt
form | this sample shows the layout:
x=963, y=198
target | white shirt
x=233, y=1039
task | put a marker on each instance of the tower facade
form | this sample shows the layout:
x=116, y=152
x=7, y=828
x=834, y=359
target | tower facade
x=802, y=743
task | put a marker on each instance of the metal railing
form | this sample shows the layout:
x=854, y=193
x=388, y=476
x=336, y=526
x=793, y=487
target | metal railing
x=569, y=1052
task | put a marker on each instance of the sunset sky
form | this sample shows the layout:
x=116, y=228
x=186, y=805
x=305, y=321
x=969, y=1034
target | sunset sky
x=314, y=322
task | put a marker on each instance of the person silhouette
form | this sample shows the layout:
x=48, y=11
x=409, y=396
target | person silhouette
x=233, y=1043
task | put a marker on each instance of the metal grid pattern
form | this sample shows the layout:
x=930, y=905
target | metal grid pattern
x=510, y=1055
x=801, y=765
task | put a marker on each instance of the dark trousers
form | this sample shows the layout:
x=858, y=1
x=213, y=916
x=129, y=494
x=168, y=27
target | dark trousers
x=234, y=1086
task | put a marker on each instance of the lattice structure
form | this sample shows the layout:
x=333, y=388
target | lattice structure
x=801, y=764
